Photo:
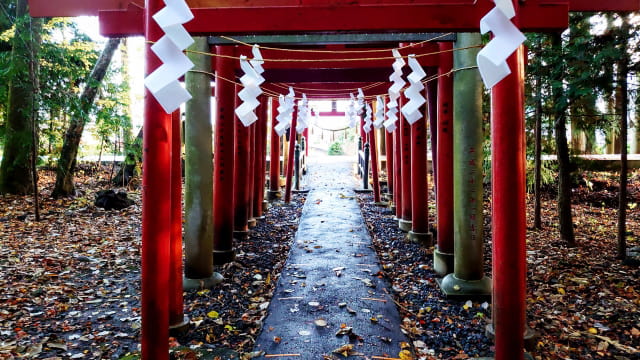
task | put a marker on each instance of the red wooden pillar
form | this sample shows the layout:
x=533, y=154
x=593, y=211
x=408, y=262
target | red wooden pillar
x=388, y=149
x=419, y=184
x=405, y=171
x=260, y=144
x=443, y=254
x=241, y=177
x=156, y=210
x=305, y=134
x=508, y=210
x=292, y=145
x=251, y=173
x=373, y=148
x=177, y=319
x=397, y=167
x=223, y=165
x=274, y=159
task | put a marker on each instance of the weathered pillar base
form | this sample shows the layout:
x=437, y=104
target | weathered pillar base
x=527, y=356
x=221, y=257
x=388, y=197
x=251, y=223
x=265, y=206
x=241, y=235
x=424, y=239
x=453, y=287
x=392, y=208
x=380, y=203
x=301, y=191
x=405, y=225
x=180, y=328
x=530, y=336
x=274, y=195
x=442, y=262
x=259, y=218
x=199, y=284
x=363, y=191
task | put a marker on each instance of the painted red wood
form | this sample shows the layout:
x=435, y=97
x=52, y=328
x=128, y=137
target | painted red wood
x=434, y=17
x=156, y=212
x=444, y=196
x=290, y=160
x=508, y=211
x=223, y=164
x=241, y=172
x=176, y=308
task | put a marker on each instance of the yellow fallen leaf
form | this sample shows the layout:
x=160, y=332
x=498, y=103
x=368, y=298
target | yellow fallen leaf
x=405, y=355
x=593, y=331
x=561, y=291
x=213, y=314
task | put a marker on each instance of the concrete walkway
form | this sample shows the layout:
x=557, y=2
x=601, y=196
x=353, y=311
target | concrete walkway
x=331, y=277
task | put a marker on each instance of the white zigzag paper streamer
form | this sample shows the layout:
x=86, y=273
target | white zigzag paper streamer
x=411, y=110
x=285, y=112
x=163, y=82
x=251, y=81
x=394, y=91
x=352, y=112
x=304, y=114
x=492, y=59
x=360, y=103
x=367, y=118
x=379, y=112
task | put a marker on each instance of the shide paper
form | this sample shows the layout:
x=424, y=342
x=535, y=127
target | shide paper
x=379, y=112
x=367, y=118
x=492, y=59
x=163, y=83
x=394, y=91
x=285, y=112
x=304, y=114
x=251, y=81
x=411, y=110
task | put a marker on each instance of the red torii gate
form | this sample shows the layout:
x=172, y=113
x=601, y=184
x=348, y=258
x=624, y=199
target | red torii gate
x=122, y=18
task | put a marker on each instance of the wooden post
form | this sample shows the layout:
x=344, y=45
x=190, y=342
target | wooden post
x=156, y=210
x=223, y=166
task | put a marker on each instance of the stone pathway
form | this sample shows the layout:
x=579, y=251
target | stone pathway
x=331, y=278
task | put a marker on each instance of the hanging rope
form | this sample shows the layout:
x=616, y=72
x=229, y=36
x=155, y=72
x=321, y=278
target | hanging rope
x=336, y=51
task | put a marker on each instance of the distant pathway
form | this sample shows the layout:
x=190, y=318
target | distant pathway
x=331, y=276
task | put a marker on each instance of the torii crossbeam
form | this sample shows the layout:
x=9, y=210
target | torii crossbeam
x=216, y=17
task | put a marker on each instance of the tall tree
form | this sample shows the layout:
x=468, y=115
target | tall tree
x=561, y=104
x=622, y=105
x=15, y=169
x=66, y=165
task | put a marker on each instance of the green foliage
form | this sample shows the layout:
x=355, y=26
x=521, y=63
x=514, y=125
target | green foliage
x=548, y=172
x=336, y=148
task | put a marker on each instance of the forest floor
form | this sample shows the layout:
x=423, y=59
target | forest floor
x=70, y=282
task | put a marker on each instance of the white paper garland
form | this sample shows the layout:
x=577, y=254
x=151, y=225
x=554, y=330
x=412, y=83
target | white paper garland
x=492, y=59
x=251, y=81
x=163, y=83
x=411, y=110
x=379, y=112
x=394, y=91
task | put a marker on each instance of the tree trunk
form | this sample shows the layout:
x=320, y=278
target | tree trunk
x=622, y=105
x=15, y=170
x=564, y=163
x=537, y=217
x=66, y=165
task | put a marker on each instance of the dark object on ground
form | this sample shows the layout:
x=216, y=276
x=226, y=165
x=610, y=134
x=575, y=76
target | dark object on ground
x=109, y=199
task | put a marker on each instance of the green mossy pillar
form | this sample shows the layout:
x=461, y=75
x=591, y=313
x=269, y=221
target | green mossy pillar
x=468, y=278
x=198, y=226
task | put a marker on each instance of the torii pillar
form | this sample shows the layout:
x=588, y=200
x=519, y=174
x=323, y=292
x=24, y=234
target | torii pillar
x=223, y=148
x=443, y=253
x=156, y=212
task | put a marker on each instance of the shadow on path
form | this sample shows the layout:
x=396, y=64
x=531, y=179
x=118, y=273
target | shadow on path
x=331, y=277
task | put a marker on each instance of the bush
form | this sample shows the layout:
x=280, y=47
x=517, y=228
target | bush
x=336, y=149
